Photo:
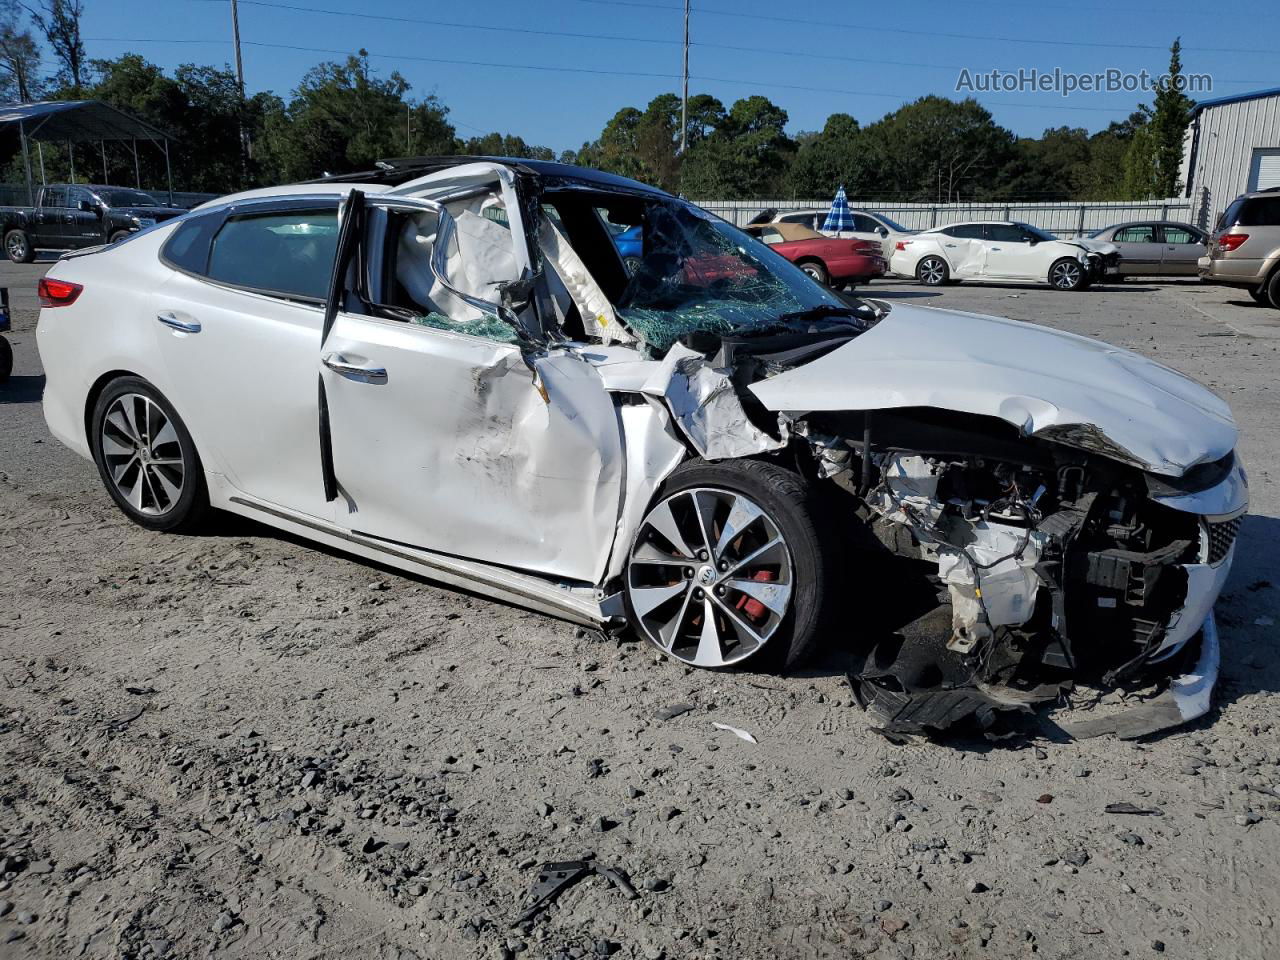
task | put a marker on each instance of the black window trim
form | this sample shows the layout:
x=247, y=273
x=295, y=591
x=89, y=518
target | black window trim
x=253, y=207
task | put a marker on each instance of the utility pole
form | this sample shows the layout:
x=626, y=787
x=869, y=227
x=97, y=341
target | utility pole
x=245, y=147
x=684, y=103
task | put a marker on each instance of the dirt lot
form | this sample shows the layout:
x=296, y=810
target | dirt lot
x=237, y=745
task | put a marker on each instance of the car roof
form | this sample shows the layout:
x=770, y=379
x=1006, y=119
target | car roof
x=1149, y=223
x=400, y=170
x=291, y=190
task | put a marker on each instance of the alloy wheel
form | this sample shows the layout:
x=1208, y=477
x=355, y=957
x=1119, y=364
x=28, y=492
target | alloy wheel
x=932, y=272
x=710, y=577
x=17, y=246
x=143, y=454
x=1066, y=276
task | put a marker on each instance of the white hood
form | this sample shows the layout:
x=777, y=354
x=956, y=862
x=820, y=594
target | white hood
x=1103, y=247
x=1030, y=376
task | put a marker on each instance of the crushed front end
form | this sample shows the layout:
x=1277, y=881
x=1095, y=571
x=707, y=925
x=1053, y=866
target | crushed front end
x=1051, y=565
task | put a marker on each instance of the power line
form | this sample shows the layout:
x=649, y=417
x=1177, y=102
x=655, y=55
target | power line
x=863, y=28
x=741, y=81
x=572, y=35
x=542, y=68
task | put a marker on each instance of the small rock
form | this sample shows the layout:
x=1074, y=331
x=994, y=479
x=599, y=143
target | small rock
x=26, y=917
x=5, y=907
x=883, y=905
x=977, y=886
x=224, y=922
x=1080, y=770
x=673, y=711
x=1132, y=839
x=1045, y=798
x=901, y=795
x=670, y=813
x=1157, y=946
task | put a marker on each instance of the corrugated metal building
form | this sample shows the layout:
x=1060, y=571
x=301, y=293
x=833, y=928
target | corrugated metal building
x=1232, y=147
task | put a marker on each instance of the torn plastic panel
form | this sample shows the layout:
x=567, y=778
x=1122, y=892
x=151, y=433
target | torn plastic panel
x=706, y=405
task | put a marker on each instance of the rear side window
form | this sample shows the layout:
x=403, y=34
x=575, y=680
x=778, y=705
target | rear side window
x=965, y=231
x=1258, y=212
x=291, y=252
x=188, y=248
x=1138, y=234
x=1006, y=233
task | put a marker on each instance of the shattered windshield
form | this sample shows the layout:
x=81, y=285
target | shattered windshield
x=699, y=274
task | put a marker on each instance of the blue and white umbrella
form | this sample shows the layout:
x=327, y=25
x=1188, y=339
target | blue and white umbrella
x=839, y=218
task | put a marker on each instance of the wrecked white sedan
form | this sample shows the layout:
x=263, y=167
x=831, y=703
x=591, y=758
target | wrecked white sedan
x=446, y=366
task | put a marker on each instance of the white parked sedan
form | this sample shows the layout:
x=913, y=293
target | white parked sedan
x=1002, y=251
x=445, y=366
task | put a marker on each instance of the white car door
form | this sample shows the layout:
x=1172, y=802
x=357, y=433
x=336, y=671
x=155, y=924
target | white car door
x=1010, y=254
x=237, y=326
x=441, y=434
x=962, y=245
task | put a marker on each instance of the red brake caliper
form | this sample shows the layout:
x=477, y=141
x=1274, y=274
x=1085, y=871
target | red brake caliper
x=752, y=607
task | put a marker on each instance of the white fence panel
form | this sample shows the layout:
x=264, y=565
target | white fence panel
x=1059, y=217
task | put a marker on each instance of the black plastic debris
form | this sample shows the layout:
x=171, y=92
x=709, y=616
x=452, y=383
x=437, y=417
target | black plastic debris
x=1133, y=809
x=555, y=878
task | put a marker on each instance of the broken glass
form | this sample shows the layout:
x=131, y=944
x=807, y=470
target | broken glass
x=701, y=275
x=490, y=328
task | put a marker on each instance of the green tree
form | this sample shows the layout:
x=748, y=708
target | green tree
x=746, y=156
x=939, y=149
x=839, y=154
x=1169, y=122
x=59, y=21
x=344, y=117
x=505, y=145
x=19, y=57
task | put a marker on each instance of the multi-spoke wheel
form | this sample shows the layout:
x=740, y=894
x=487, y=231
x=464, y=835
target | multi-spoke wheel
x=1067, y=274
x=146, y=456
x=726, y=562
x=932, y=271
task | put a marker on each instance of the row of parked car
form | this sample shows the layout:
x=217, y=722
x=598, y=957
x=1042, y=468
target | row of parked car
x=1243, y=250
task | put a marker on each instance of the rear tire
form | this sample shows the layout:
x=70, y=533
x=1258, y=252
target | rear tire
x=1068, y=274
x=817, y=270
x=1260, y=295
x=675, y=591
x=6, y=360
x=1273, y=289
x=933, y=272
x=17, y=246
x=146, y=457
x=118, y=236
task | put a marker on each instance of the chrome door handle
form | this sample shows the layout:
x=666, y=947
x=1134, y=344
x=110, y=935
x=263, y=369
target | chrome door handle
x=182, y=326
x=338, y=364
x=949, y=245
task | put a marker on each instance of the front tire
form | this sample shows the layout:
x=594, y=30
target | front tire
x=1068, y=274
x=18, y=248
x=816, y=270
x=146, y=457
x=6, y=360
x=118, y=236
x=730, y=564
x=933, y=271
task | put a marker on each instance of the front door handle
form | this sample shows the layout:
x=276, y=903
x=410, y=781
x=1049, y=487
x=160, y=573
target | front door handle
x=182, y=326
x=365, y=374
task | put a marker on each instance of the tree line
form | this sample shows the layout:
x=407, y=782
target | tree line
x=343, y=116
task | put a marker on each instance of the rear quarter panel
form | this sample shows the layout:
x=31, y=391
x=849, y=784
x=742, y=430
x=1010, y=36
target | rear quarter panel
x=111, y=327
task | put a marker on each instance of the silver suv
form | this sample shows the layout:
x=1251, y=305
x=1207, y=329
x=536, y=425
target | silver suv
x=1245, y=249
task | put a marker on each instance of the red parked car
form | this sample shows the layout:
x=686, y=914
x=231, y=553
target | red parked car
x=831, y=260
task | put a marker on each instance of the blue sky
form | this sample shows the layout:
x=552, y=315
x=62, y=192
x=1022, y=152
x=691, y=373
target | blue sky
x=580, y=82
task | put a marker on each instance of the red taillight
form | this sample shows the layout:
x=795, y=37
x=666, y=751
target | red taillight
x=57, y=293
x=1229, y=241
x=901, y=245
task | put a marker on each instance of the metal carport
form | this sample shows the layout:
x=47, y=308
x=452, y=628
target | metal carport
x=80, y=121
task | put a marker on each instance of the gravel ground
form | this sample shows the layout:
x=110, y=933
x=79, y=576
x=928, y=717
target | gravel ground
x=239, y=745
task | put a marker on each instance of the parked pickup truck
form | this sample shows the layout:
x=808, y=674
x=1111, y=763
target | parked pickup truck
x=73, y=216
